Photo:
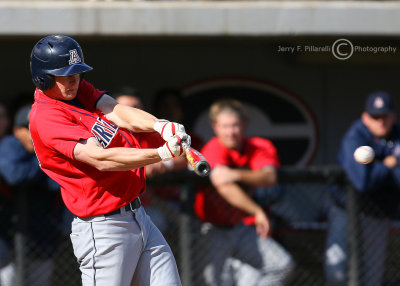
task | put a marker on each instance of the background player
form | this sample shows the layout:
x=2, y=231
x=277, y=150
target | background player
x=84, y=140
x=377, y=185
x=130, y=97
x=238, y=165
x=5, y=207
x=168, y=103
x=36, y=198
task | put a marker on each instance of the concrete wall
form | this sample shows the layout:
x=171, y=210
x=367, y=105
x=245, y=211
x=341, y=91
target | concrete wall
x=200, y=17
x=333, y=89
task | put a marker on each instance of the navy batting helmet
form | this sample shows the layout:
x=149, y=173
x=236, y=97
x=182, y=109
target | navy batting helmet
x=56, y=55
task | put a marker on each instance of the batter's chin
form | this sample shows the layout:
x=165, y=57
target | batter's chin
x=69, y=96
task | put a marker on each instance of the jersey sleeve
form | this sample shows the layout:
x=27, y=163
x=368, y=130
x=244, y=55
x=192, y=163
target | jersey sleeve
x=57, y=131
x=88, y=95
x=265, y=155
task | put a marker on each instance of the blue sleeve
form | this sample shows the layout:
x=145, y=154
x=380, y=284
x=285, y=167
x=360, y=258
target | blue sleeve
x=363, y=177
x=16, y=164
x=395, y=151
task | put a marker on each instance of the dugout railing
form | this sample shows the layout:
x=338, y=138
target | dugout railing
x=298, y=213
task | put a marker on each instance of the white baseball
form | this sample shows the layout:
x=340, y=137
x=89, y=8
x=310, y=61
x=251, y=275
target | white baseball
x=364, y=154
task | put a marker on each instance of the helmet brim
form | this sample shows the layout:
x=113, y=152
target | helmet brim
x=70, y=70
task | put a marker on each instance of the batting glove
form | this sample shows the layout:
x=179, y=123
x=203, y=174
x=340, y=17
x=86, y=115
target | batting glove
x=168, y=129
x=171, y=148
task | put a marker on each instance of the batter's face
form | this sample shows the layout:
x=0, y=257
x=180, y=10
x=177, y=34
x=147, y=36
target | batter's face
x=379, y=126
x=65, y=87
x=229, y=129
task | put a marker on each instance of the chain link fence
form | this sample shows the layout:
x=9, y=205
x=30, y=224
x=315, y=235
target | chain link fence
x=298, y=212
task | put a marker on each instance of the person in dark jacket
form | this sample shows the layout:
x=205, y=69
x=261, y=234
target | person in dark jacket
x=36, y=201
x=5, y=201
x=377, y=186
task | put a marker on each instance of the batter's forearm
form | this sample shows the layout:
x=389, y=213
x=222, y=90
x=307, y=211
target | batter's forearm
x=113, y=159
x=137, y=120
x=124, y=159
x=125, y=116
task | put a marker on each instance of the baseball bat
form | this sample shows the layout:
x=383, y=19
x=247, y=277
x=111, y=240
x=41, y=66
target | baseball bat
x=196, y=160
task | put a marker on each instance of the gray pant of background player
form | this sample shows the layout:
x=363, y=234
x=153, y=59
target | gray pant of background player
x=122, y=249
x=238, y=256
x=373, y=242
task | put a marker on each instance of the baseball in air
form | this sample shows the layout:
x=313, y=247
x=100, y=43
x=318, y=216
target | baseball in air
x=364, y=154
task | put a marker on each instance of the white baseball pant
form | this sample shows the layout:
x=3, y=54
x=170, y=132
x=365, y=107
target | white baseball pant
x=121, y=250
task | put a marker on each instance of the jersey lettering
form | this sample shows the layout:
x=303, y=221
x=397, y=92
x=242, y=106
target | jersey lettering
x=74, y=57
x=104, y=132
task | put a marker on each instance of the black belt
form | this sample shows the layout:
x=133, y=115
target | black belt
x=129, y=207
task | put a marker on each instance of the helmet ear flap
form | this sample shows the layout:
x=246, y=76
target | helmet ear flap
x=44, y=83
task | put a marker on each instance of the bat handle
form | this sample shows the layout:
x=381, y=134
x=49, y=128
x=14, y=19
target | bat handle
x=185, y=146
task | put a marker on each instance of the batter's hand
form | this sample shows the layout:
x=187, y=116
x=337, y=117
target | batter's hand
x=171, y=149
x=168, y=129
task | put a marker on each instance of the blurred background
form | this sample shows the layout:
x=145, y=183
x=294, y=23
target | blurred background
x=302, y=68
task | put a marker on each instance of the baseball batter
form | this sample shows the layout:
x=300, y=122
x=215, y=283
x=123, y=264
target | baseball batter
x=85, y=141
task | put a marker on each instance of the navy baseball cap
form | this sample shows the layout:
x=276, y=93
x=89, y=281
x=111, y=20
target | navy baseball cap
x=379, y=103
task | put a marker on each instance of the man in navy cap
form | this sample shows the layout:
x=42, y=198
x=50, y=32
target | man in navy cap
x=377, y=186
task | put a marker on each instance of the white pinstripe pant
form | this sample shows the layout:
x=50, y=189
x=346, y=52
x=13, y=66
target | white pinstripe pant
x=121, y=250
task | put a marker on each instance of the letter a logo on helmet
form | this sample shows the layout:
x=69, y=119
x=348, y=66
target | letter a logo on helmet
x=74, y=57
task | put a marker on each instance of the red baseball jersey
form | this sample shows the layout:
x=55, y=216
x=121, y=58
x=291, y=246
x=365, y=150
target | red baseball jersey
x=257, y=153
x=56, y=127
